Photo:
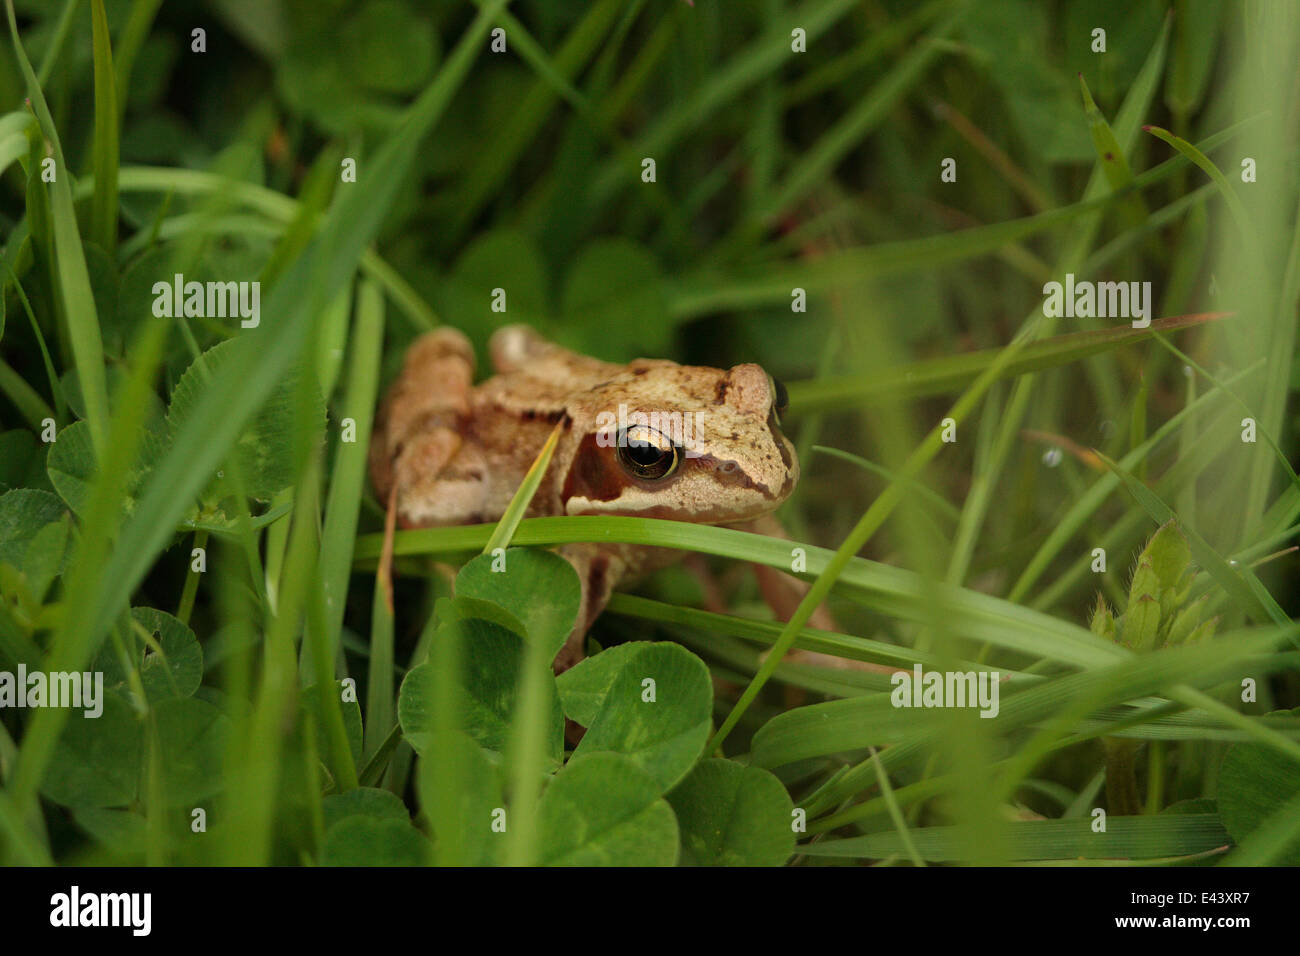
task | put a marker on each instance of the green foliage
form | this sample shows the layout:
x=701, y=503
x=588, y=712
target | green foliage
x=603, y=810
x=646, y=708
x=650, y=702
x=160, y=649
x=1257, y=788
x=730, y=815
x=366, y=841
x=1158, y=613
x=547, y=621
x=493, y=657
x=184, y=507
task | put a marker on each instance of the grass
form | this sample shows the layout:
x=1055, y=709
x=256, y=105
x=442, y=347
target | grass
x=220, y=473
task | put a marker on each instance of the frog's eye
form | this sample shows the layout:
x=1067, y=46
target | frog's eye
x=780, y=397
x=646, y=454
x=782, y=401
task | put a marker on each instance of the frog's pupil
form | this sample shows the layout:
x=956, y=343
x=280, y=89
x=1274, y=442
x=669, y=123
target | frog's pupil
x=644, y=459
x=645, y=455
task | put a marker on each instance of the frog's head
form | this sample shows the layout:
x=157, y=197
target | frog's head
x=662, y=440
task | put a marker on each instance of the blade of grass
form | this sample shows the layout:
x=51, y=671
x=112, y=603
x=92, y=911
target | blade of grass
x=103, y=210
x=895, y=814
x=374, y=769
x=1206, y=165
x=932, y=497
x=25, y=398
x=56, y=386
x=1240, y=402
x=766, y=632
x=884, y=37
x=947, y=373
x=856, y=723
x=527, y=741
x=379, y=675
x=61, y=31
x=1040, y=634
x=301, y=598
x=710, y=291
x=816, y=163
x=349, y=475
x=1138, y=838
x=498, y=157
x=77, y=300
x=764, y=56
x=1114, y=164
x=514, y=513
x=132, y=38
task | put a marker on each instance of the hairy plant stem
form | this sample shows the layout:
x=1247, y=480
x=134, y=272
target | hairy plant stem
x=1121, y=776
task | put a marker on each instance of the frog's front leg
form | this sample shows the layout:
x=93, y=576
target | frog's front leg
x=418, y=434
x=599, y=571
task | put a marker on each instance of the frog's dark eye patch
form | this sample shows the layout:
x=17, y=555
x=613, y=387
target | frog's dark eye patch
x=647, y=454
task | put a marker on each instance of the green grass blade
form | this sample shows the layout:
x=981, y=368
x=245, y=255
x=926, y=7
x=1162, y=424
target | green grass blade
x=765, y=633
x=896, y=590
x=349, y=475
x=498, y=157
x=78, y=301
x=514, y=513
x=1125, y=838
x=817, y=163
x=766, y=55
x=1207, y=166
x=1113, y=161
x=26, y=399
x=62, y=30
x=947, y=373
x=132, y=38
x=856, y=723
x=905, y=838
x=103, y=210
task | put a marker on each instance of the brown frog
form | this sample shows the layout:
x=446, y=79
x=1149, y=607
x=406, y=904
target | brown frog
x=649, y=439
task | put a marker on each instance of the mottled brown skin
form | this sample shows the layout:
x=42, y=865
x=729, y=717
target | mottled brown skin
x=454, y=453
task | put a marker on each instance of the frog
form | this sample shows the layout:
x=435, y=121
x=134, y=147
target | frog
x=647, y=438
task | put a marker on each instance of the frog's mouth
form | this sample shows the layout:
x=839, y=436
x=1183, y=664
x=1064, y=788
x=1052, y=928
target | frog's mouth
x=716, y=514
